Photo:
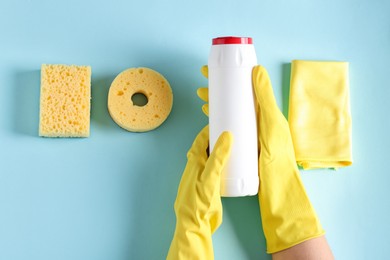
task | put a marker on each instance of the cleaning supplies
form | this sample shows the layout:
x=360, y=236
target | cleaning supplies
x=232, y=108
x=319, y=114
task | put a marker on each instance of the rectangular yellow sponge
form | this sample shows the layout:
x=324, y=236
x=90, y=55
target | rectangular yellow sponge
x=65, y=101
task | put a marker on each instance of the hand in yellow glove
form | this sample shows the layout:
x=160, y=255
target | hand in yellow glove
x=198, y=204
x=287, y=215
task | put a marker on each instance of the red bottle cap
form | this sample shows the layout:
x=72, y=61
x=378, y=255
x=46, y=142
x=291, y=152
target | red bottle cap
x=232, y=40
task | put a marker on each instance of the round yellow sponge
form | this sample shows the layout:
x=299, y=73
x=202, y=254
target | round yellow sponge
x=133, y=116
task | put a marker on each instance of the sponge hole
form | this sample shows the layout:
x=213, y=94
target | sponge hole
x=139, y=99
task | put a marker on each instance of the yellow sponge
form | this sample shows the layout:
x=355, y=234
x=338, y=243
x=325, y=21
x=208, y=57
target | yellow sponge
x=132, y=116
x=65, y=101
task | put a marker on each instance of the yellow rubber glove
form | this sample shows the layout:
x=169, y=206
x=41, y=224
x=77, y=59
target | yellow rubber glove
x=198, y=204
x=319, y=114
x=287, y=215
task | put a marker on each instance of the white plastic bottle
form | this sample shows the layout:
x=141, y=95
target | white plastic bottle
x=232, y=108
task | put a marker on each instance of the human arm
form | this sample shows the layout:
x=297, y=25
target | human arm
x=315, y=248
x=291, y=226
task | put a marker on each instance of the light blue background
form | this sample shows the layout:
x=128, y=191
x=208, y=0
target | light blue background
x=110, y=196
